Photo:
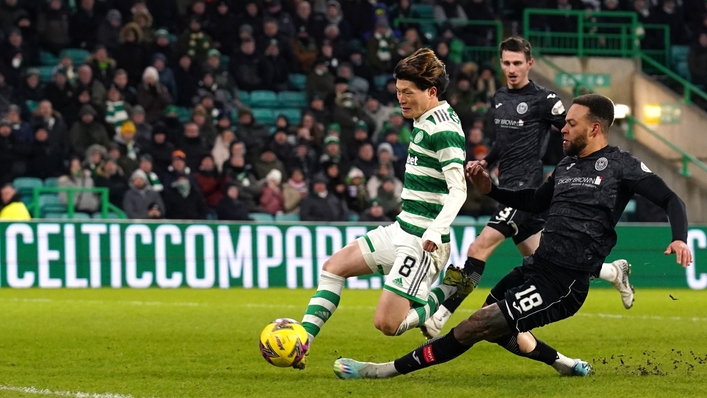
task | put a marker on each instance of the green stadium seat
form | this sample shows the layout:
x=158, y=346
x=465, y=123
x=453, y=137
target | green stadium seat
x=464, y=220
x=380, y=81
x=110, y=216
x=422, y=11
x=31, y=105
x=183, y=114
x=225, y=60
x=244, y=97
x=287, y=217
x=483, y=219
x=353, y=217
x=54, y=215
x=293, y=99
x=48, y=59
x=78, y=56
x=25, y=185
x=50, y=204
x=294, y=116
x=45, y=73
x=261, y=217
x=297, y=81
x=263, y=98
x=51, y=182
x=264, y=115
x=78, y=216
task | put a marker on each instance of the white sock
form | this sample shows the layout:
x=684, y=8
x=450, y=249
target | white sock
x=323, y=304
x=386, y=370
x=608, y=272
x=418, y=315
x=563, y=365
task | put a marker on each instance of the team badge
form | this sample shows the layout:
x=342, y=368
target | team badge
x=418, y=137
x=645, y=168
x=522, y=108
x=601, y=164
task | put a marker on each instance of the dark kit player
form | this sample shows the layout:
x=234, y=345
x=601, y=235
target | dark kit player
x=524, y=114
x=584, y=198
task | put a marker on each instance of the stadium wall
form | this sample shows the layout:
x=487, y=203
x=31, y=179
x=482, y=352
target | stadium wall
x=218, y=255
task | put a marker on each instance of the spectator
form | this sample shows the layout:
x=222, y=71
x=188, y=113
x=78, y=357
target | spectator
x=303, y=159
x=152, y=178
x=77, y=177
x=143, y=130
x=293, y=191
x=280, y=67
x=252, y=18
x=7, y=93
x=267, y=161
x=117, y=111
x=140, y=198
x=108, y=32
x=152, y=95
x=183, y=201
x=283, y=18
x=249, y=188
x=46, y=116
x=218, y=96
x=360, y=137
x=84, y=24
x=347, y=113
x=31, y=89
x=194, y=41
x=222, y=79
x=334, y=16
x=113, y=178
x=249, y=68
x=474, y=138
x=143, y=19
x=10, y=10
x=53, y=27
x=87, y=131
x=365, y=161
x=336, y=179
x=389, y=200
x=320, y=82
x=254, y=135
x=20, y=128
x=322, y=206
x=120, y=80
x=95, y=158
x=280, y=146
x=222, y=147
x=177, y=167
x=67, y=63
x=479, y=35
x=384, y=171
x=272, y=200
x=210, y=181
x=45, y=159
x=164, y=46
x=166, y=74
x=130, y=54
x=193, y=145
x=14, y=154
x=317, y=111
x=230, y=207
x=187, y=75
x=375, y=213
x=332, y=153
x=128, y=146
x=96, y=90
x=381, y=47
x=223, y=27
x=17, y=55
x=161, y=151
x=102, y=66
x=670, y=14
x=697, y=61
x=378, y=113
x=60, y=91
x=12, y=207
x=356, y=195
x=359, y=86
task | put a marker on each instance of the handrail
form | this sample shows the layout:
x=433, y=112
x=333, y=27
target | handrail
x=689, y=87
x=632, y=122
x=106, y=206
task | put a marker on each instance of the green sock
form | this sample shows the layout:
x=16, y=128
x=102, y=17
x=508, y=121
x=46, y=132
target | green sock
x=324, y=302
x=419, y=313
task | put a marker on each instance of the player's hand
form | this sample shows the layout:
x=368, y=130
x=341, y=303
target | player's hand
x=478, y=176
x=429, y=246
x=682, y=252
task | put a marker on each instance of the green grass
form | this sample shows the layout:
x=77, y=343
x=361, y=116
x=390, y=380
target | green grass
x=203, y=343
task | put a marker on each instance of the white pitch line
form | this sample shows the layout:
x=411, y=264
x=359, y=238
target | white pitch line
x=347, y=307
x=37, y=391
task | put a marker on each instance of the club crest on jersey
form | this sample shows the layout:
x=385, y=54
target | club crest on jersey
x=645, y=168
x=522, y=108
x=601, y=164
x=418, y=137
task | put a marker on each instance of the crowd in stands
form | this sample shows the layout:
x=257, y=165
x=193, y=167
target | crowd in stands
x=151, y=99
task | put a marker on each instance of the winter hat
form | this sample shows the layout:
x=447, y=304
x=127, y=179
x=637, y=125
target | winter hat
x=87, y=110
x=331, y=139
x=179, y=154
x=275, y=175
x=361, y=125
x=138, y=173
x=355, y=172
x=162, y=33
x=385, y=147
x=138, y=109
x=127, y=127
x=114, y=15
x=335, y=127
x=151, y=71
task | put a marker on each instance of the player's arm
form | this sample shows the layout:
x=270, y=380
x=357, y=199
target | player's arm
x=657, y=191
x=553, y=110
x=531, y=200
x=450, y=153
x=495, y=153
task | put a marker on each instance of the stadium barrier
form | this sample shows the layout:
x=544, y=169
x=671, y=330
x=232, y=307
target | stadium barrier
x=126, y=254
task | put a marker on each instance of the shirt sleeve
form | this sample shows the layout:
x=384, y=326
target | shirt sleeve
x=450, y=148
x=553, y=110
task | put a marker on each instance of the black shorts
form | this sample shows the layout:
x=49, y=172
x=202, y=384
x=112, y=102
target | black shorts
x=538, y=293
x=520, y=225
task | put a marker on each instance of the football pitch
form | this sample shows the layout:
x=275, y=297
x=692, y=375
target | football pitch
x=204, y=343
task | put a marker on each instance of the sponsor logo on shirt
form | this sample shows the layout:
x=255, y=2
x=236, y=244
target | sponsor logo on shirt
x=592, y=182
x=427, y=354
x=510, y=124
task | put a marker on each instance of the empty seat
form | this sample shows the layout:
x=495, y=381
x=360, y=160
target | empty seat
x=25, y=185
x=47, y=58
x=244, y=97
x=294, y=116
x=45, y=73
x=424, y=11
x=51, y=182
x=297, y=81
x=292, y=99
x=50, y=204
x=109, y=216
x=264, y=115
x=261, y=217
x=263, y=98
x=78, y=215
x=78, y=56
x=287, y=217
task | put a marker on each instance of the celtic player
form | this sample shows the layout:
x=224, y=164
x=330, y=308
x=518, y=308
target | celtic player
x=415, y=248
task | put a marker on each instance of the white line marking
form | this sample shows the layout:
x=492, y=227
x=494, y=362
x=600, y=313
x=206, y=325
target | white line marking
x=347, y=307
x=34, y=390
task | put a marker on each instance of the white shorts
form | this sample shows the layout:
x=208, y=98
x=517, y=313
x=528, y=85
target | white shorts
x=411, y=271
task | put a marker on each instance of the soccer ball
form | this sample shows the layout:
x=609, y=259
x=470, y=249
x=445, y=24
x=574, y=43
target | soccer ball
x=284, y=342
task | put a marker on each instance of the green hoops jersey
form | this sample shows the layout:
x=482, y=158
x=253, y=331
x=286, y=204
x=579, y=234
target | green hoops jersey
x=437, y=144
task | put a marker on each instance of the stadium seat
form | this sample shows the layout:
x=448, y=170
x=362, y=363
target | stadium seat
x=380, y=81
x=294, y=116
x=678, y=61
x=261, y=217
x=287, y=217
x=292, y=99
x=78, y=56
x=54, y=215
x=244, y=97
x=482, y=219
x=464, y=220
x=25, y=185
x=31, y=105
x=51, y=182
x=50, y=204
x=110, y=216
x=263, y=98
x=423, y=11
x=353, y=217
x=45, y=73
x=225, y=60
x=183, y=114
x=297, y=81
x=48, y=59
x=264, y=115
x=78, y=215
